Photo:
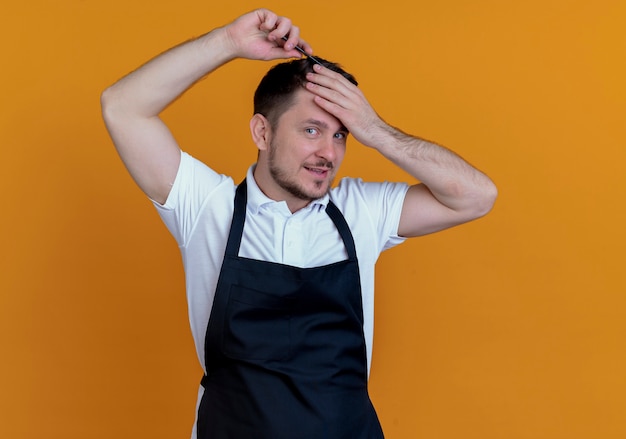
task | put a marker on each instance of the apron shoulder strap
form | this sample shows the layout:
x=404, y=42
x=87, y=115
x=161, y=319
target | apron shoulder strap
x=342, y=227
x=239, y=217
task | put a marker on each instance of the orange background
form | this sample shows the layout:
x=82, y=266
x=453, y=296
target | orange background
x=511, y=327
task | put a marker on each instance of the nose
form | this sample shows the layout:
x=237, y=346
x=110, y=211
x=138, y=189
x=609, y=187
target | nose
x=327, y=150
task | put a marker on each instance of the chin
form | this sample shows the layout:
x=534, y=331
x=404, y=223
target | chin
x=320, y=191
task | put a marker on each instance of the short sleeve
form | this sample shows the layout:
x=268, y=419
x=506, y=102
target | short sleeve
x=193, y=186
x=379, y=205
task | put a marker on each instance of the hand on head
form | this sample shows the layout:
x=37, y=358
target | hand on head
x=344, y=100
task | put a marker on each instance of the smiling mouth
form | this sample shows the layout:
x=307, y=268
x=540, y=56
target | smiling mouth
x=320, y=172
x=320, y=168
x=317, y=170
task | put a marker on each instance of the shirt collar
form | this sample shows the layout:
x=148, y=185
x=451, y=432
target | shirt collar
x=257, y=199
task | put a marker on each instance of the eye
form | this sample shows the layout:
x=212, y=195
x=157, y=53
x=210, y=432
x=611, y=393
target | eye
x=311, y=131
x=341, y=135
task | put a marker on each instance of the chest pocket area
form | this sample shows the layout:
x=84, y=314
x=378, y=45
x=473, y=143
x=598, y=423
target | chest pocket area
x=257, y=325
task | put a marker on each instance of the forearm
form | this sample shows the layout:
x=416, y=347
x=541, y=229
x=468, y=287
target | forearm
x=451, y=180
x=151, y=88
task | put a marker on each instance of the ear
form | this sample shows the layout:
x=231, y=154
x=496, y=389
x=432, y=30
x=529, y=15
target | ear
x=260, y=130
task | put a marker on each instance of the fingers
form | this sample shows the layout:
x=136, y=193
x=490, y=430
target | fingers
x=267, y=19
x=329, y=78
x=339, y=97
x=278, y=28
x=333, y=87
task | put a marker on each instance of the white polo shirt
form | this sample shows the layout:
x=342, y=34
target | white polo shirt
x=199, y=210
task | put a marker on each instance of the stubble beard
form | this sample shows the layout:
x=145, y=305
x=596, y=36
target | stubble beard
x=291, y=185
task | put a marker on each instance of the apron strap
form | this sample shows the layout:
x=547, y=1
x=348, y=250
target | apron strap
x=343, y=229
x=239, y=217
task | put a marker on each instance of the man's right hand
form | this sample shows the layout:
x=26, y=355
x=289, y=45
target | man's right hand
x=258, y=35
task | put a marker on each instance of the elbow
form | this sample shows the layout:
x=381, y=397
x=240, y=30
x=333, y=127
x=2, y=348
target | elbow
x=115, y=108
x=485, y=199
x=108, y=102
x=475, y=200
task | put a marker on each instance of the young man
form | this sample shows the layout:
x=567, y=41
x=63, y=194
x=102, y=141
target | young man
x=280, y=269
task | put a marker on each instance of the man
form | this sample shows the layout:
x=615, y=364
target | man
x=279, y=269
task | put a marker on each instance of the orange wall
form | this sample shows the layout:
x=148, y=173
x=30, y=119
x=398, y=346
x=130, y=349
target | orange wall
x=510, y=327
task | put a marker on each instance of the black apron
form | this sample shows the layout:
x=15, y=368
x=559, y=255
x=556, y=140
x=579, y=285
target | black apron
x=284, y=350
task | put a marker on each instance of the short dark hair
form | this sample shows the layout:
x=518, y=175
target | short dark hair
x=275, y=92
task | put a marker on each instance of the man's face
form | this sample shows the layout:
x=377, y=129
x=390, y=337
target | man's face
x=305, y=150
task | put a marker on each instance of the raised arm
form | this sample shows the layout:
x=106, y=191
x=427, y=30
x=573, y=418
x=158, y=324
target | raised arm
x=450, y=192
x=131, y=106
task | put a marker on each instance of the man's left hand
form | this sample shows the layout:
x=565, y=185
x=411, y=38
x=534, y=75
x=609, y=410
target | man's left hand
x=346, y=102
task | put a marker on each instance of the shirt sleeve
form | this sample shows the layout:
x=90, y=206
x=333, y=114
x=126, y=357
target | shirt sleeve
x=380, y=204
x=193, y=186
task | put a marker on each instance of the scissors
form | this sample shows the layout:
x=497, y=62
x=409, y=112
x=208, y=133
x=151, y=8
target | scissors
x=301, y=50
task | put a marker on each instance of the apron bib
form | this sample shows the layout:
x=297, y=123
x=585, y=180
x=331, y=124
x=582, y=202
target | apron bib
x=284, y=348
